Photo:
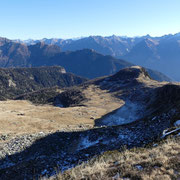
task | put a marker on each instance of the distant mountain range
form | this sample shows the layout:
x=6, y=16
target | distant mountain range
x=112, y=45
x=158, y=53
x=86, y=63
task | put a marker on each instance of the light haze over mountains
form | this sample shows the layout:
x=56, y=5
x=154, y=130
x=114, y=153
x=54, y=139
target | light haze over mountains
x=158, y=53
x=86, y=62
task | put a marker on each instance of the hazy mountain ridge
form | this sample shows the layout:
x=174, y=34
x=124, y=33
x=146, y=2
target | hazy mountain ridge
x=161, y=54
x=158, y=53
x=87, y=63
x=111, y=45
x=13, y=54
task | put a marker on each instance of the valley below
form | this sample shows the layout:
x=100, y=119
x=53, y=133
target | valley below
x=43, y=135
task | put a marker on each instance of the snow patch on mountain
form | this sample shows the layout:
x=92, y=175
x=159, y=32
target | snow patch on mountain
x=128, y=113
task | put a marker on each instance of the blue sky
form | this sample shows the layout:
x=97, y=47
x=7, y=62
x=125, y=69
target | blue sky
x=23, y=19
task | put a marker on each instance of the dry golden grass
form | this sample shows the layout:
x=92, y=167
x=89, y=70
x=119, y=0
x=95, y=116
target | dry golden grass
x=19, y=117
x=154, y=163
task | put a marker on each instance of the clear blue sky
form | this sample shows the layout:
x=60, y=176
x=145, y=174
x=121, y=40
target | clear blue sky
x=23, y=19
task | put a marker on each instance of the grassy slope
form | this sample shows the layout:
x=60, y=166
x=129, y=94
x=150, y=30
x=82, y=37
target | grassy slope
x=160, y=161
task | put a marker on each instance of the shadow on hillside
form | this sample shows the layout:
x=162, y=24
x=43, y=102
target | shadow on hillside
x=52, y=153
x=42, y=158
x=62, y=150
